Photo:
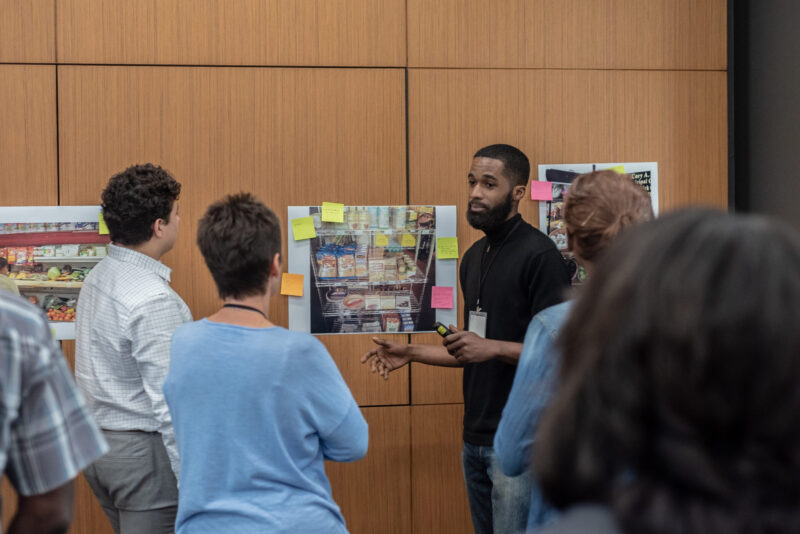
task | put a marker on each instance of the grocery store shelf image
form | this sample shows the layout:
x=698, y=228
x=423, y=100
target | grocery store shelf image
x=77, y=284
x=373, y=271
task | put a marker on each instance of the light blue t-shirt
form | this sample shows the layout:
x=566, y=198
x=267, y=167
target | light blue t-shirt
x=533, y=386
x=256, y=411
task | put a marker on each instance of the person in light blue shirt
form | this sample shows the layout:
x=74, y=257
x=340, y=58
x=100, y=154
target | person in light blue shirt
x=598, y=207
x=256, y=408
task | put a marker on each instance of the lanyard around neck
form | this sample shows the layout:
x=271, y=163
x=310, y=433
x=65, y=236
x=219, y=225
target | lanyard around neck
x=243, y=307
x=482, y=277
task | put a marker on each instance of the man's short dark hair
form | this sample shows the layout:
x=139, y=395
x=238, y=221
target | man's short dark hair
x=239, y=237
x=515, y=163
x=134, y=199
x=3, y=263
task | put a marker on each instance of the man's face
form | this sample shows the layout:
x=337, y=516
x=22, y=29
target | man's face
x=491, y=195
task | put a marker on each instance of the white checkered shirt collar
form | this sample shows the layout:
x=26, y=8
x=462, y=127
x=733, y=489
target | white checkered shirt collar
x=140, y=260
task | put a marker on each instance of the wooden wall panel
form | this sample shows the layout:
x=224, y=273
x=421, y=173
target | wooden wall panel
x=291, y=136
x=476, y=33
x=9, y=498
x=438, y=496
x=631, y=34
x=223, y=32
x=27, y=31
x=600, y=34
x=678, y=119
x=28, y=135
x=374, y=494
x=368, y=388
x=431, y=384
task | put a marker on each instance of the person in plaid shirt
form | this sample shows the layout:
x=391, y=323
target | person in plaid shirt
x=47, y=435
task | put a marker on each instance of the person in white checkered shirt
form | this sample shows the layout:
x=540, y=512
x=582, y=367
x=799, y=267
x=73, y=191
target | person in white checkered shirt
x=126, y=315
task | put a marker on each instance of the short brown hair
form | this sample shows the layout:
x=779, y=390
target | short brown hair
x=598, y=206
x=239, y=237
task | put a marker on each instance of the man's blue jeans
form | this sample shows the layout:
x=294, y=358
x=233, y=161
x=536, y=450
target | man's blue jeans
x=499, y=504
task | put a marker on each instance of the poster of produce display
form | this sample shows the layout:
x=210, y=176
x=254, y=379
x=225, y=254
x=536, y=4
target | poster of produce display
x=50, y=250
x=551, y=212
x=372, y=272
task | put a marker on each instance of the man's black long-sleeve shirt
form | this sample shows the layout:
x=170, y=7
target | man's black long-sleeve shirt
x=525, y=275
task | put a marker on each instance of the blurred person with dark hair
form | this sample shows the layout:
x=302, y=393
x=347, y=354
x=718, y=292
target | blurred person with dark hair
x=126, y=315
x=507, y=276
x=46, y=432
x=256, y=408
x=678, y=406
x=599, y=206
x=6, y=282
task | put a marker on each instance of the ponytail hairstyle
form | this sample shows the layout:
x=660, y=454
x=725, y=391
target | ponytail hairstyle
x=598, y=207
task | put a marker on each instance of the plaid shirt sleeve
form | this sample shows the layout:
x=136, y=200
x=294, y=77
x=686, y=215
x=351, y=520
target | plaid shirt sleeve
x=54, y=437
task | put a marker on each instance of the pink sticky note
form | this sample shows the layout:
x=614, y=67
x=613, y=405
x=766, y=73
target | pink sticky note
x=541, y=190
x=442, y=297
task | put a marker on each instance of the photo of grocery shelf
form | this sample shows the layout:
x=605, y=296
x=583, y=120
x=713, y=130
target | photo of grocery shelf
x=369, y=269
x=372, y=270
x=50, y=250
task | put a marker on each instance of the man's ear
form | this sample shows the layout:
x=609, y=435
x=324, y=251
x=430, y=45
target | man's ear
x=158, y=227
x=518, y=192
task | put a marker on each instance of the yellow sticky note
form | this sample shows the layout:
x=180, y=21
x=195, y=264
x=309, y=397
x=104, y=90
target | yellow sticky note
x=303, y=228
x=447, y=248
x=381, y=240
x=102, y=228
x=619, y=169
x=332, y=212
x=292, y=285
x=408, y=240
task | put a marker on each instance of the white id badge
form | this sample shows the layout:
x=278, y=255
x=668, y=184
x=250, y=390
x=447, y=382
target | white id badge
x=477, y=323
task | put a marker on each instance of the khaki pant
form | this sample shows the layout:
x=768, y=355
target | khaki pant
x=135, y=484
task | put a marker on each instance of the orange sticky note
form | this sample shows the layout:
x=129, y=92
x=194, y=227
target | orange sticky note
x=102, y=228
x=292, y=285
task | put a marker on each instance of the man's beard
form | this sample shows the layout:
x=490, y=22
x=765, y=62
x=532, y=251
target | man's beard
x=490, y=220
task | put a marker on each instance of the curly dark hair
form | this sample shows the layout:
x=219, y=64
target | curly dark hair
x=134, y=199
x=679, y=397
x=239, y=237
